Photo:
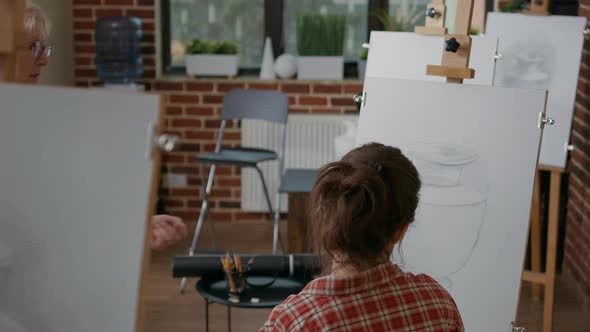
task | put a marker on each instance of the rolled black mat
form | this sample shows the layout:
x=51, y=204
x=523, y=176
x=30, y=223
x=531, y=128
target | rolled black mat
x=295, y=265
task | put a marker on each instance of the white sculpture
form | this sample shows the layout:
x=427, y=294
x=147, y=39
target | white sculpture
x=266, y=69
x=285, y=66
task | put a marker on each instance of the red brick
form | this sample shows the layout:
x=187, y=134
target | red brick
x=170, y=203
x=186, y=123
x=226, y=87
x=220, y=216
x=190, y=192
x=79, y=49
x=327, y=88
x=87, y=2
x=184, y=99
x=212, y=123
x=173, y=110
x=85, y=73
x=313, y=100
x=83, y=37
x=212, y=99
x=83, y=61
x=228, y=182
x=298, y=110
x=192, y=203
x=148, y=50
x=200, y=135
x=195, y=181
x=353, y=88
x=173, y=158
x=145, y=2
x=149, y=73
x=292, y=100
x=82, y=13
x=148, y=26
x=148, y=38
x=200, y=110
x=263, y=86
x=169, y=86
x=149, y=61
x=229, y=205
x=325, y=111
x=84, y=25
x=108, y=12
x=199, y=86
x=141, y=13
x=220, y=193
x=295, y=88
x=343, y=101
x=229, y=136
x=119, y=2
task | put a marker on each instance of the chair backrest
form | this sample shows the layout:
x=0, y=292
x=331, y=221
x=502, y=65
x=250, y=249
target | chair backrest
x=266, y=105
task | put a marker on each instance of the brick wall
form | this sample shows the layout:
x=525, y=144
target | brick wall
x=577, y=241
x=192, y=108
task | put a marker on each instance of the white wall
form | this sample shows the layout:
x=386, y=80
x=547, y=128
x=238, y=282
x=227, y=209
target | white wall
x=60, y=70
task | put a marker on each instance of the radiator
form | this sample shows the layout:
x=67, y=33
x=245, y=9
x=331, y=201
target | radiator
x=309, y=144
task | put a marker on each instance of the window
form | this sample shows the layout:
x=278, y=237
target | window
x=247, y=22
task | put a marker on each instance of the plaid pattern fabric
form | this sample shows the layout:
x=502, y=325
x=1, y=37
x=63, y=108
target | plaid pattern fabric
x=383, y=298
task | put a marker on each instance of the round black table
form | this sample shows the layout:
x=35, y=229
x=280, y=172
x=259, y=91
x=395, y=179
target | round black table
x=267, y=292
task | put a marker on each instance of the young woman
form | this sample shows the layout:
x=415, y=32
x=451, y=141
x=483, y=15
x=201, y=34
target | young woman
x=361, y=208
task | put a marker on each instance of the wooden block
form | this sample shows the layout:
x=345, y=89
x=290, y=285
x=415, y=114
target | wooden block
x=433, y=31
x=463, y=17
x=451, y=72
x=535, y=234
x=534, y=277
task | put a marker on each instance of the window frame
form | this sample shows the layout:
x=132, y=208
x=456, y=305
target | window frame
x=273, y=27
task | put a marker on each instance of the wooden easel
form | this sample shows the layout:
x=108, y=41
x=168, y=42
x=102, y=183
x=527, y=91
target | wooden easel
x=535, y=276
x=457, y=48
x=12, y=37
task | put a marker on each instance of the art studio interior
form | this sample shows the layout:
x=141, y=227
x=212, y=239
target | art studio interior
x=294, y=165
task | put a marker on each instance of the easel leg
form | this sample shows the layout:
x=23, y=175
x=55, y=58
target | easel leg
x=206, y=315
x=228, y=319
x=552, y=235
x=536, y=234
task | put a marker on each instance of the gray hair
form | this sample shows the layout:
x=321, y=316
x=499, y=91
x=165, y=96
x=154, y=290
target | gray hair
x=35, y=16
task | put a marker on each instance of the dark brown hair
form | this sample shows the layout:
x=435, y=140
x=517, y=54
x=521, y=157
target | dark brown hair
x=360, y=202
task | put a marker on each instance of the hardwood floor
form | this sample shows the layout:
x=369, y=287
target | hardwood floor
x=167, y=310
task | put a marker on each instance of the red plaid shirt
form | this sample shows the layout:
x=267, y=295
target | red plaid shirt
x=383, y=298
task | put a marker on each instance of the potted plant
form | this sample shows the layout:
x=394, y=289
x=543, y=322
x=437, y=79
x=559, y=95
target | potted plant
x=362, y=63
x=320, y=42
x=212, y=58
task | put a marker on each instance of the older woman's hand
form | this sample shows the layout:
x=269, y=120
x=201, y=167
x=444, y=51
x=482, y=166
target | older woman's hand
x=166, y=230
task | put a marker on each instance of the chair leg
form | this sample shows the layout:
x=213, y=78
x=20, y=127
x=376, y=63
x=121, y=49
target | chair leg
x=276, y=221
x=272, y=213
x=202, y=217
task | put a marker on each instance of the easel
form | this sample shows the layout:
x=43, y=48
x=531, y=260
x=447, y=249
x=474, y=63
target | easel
x=12, y=37
x=535, y=276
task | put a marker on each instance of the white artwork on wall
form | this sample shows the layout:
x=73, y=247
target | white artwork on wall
x=475, y=148
x=405, y=55
x=542, y=52
x=74, y=192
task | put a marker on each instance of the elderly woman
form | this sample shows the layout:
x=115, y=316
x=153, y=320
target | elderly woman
x=166, y=230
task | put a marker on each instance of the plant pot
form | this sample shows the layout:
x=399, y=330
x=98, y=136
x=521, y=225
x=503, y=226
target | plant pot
x=362, y=66
x=320, y=67
x=212, y=64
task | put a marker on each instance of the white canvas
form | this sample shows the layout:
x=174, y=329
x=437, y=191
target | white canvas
x=74, y=188
x=542, y=52
x=405, y=55
x=476, y=149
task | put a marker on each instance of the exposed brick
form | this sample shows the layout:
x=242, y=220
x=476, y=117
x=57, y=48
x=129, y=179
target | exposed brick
x=173, y=110
x=148, y=38
x=228, y=182
x=192, y=203
x=169, y=86
x=292, y=100
x=83, y=37
x=298, y=110
x=339, y=101
x=84, y=25
x=119, y=2
x=200, y=135
x=82, y=13
x=141, y=13
x=212, y=123
x=145, y=2
x=226, y=87
x=187, y=123
x=212, y=99
x=87, y=2
x=229, y=205
x=353, y=88
x=200, y=110
x=229, y=136
x=173, y=158
x=108, y=12
x=148, y=50
x=295, y=88
x=199, y=86
x=149, y=73
x=327, y=88
x=82, y=61
x=148, y=26
x=220, y=216
x=85, y=73
x=325, y=111
x=263, y=86
x=184, y=99
x=313, y=100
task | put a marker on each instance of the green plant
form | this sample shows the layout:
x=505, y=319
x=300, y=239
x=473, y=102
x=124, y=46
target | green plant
x=199, y=46
x=405, y=18
x=364, y=54
x=513, y=6
x=320, y=34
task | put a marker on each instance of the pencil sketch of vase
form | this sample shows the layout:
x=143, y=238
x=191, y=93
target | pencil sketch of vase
x=450, y=215
x=526, y=64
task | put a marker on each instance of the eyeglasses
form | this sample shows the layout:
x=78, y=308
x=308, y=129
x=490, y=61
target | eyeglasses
x=39, y=49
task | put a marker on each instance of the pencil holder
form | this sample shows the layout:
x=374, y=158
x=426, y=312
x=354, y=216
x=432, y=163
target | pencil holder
x=236, y=281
